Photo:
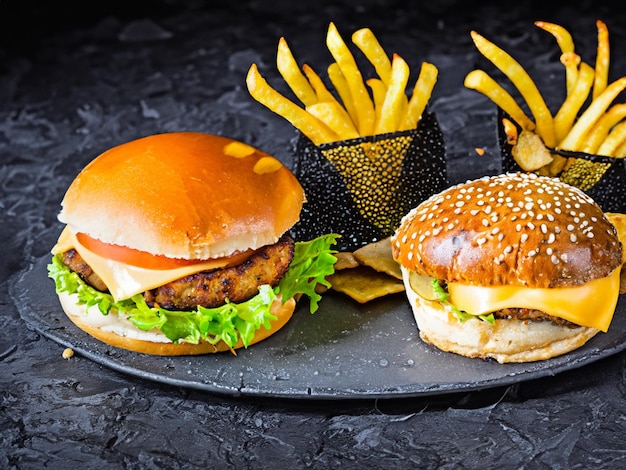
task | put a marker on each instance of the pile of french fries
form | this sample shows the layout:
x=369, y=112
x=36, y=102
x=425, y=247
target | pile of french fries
x=353, y=110
x=587, y=120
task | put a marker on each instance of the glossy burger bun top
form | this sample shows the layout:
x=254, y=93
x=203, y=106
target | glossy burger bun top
x=512, y=229
x=184, y=195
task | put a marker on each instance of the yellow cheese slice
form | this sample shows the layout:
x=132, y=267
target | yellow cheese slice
x=591, y=304
x=125, y=280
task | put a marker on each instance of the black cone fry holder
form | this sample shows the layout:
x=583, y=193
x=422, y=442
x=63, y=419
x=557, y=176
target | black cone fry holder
x=361, y=188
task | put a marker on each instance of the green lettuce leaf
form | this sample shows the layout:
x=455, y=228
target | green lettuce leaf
x=313, y=261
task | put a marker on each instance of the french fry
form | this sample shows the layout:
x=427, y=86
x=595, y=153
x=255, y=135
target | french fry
x=571, y=61
x=328, y=101
x=343, y=90
x=510, y=131
x=602, y=59
x=373, y=106
x=395, y=98
x=576, y=135
x=309, y=125
x=566, y=115
x=379, y=90
x=522, y=81
x=420, y=96
x=335, y=117
x=601, y=128
x=621, y=153
x=566, y=44
x=368, y=44
x=290, y=71
x=614, y=140
x=479, y=80
x=365, y=114
x=320, y=89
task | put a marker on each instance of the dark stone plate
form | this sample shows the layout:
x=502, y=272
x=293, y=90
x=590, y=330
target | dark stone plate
x=343, y=351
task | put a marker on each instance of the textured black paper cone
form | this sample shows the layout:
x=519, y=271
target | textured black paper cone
x=361, y=188
x=603, y=178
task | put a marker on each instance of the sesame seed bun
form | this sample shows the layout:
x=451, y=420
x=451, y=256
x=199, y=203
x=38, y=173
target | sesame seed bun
x=513, y=230
x=184, y=195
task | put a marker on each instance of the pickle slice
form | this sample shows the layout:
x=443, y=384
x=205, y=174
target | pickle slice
x=422, y=285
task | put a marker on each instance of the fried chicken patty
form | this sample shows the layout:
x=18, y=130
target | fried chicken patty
x=207, y=288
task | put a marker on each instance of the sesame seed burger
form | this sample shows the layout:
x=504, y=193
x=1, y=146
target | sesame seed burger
x=178, y=244
x=514, y=267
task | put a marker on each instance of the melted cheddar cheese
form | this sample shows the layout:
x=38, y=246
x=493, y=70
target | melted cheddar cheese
x=591, y=304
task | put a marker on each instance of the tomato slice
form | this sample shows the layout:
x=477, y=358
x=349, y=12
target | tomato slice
x=143, y=259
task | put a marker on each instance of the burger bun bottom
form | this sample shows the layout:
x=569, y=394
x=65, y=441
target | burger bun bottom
x=119, y=332
x=505, y=341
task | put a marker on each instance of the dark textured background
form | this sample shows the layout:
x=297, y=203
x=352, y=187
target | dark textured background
x=77, y=78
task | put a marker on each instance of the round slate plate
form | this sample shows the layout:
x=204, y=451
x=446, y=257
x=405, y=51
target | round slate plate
x=343, y=351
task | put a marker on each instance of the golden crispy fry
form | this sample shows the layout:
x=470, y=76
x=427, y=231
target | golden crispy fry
x=479, y=80
x=522, y=81
x=395, y=97
x=379, y=90
x=288, y=68
x=510, y=131
x=621, y=151
x=351, y=110
x=566, y=44
x=312, y=127
x=368, y=44
x=341, y=85
x=571, y=61
x=322, y=93
x=335, y=117
x=615, y=139
x=420, y=96
x=328, y=109
x=562, y=35
x=575, y=138
x=566, y=115
x=601, y=128
x=365, y=114
x=602, y=59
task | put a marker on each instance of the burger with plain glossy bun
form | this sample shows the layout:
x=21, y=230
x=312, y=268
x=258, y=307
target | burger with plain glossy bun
x=514, y=267
x=179, y=244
